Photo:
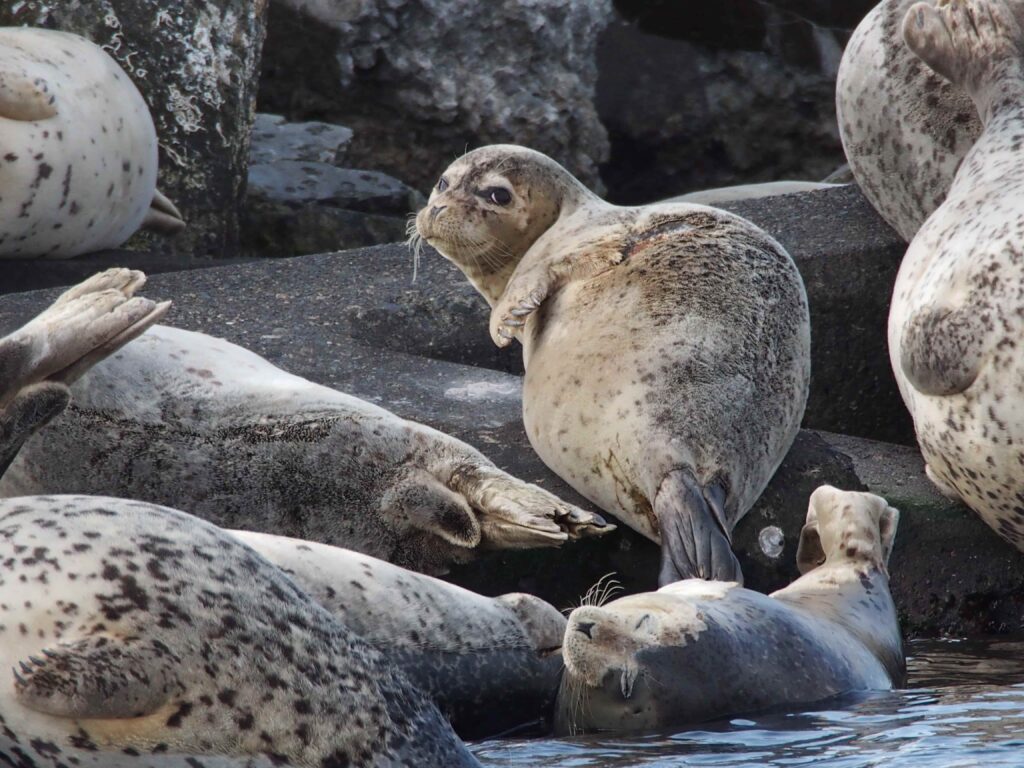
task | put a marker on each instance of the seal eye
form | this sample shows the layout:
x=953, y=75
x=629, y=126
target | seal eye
x=442, y=184
x=500, y=196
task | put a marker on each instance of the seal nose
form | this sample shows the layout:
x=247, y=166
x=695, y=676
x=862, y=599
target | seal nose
x=585, y=627
x=435, y=211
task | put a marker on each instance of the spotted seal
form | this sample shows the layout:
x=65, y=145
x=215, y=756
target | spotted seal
x=955, y=323
x=182, y=418
x=904, y=128
x=490, y=664
x=667, y=347
x=698, y=650
x=78, y=149
x=128, y=626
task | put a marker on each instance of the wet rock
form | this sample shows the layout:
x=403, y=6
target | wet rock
x=196, y=66
x=275, y=139
x=420, y=81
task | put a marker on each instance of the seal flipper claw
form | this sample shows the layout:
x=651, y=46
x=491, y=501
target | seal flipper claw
x=100, y=677
x=694, y=542
x=521, y=298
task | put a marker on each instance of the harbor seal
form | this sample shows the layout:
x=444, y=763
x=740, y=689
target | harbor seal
x=39, y=361
x=957, y=314
x=904, y=128
x=667, y=347
x=491, y=665
x=177, y=417
x=697, y=650
x=78, y=149
x=128, y=626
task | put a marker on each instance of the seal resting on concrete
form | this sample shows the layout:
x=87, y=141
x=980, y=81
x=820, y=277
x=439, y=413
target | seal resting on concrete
x=78, y=149
x=667, y=347
x=128, y=626
x=183, y=418
x=490, y=664
x=904, y=128
x=698, y=650
x=957, y=316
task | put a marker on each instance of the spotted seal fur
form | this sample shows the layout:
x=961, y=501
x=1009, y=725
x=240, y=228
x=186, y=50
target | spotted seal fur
x=698, y=650
x=957, y=315
x=904, y=128
x=667, y=347
x=490, y=664
x=78, y=149
x=183, y=418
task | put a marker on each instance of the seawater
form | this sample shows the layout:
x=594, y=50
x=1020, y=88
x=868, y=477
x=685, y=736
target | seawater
x=963, y=707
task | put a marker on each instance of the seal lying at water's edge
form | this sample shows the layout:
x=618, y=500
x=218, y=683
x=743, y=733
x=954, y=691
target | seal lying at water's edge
x=697, y=650
x=127, y=626
x=182, y=418
x=667, y=347
x=957, y=316
x=78, y=149
x=489, y=664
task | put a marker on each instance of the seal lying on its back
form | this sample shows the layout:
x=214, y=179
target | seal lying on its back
x=183, y=418
x=127, y=626
x=695, y=651
x=78, y=150
x=667, y=347
x=490, y=664
x=905, y=129
x=957, y=317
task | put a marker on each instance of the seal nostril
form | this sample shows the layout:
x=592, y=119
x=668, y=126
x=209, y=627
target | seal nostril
x=585, y=627
x=436, y=210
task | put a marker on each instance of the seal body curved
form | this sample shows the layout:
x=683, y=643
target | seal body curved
x=78, y=149
x=149, y=630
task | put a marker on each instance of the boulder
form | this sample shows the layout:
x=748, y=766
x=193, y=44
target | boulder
x=196, y=65
x=274, y=138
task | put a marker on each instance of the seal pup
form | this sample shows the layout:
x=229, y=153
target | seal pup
x=40, y=360
x=183, y=418
x=955, y=323
x=667, y=347
x=78, y=149
x=128, y=626
x=904, y=128
x=490, y=664
x=698, y=650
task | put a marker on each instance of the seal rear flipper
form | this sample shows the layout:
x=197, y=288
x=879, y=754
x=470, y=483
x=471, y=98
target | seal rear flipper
x=421, y=501
x=942, y=349
x=694, y=539
x=99, y=677
x=26, y=99
x=163, y=216
x=30, y=411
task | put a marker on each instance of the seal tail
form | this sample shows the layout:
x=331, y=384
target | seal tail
x=695, y=540
x=163, y=216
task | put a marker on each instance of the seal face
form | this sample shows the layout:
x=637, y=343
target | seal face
x=956, y=318
x=489, y=664
x=184, y=418
x=698, y=650
x=78, y=150
x=667, y=347
x=904, y=128
x=130, y=626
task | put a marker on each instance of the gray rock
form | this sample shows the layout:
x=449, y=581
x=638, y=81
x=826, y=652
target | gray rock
x=419, y=81
x=274, y=139
x=196, y=66
x=296, y=183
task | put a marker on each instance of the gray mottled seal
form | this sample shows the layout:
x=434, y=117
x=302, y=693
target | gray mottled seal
x=127, y=626
x=183, y=418
x=957, y=316
x=78, y=150
x=667, y=347
x=39, y=361
x=490, y=664
x=904, y=128
x=698, y=650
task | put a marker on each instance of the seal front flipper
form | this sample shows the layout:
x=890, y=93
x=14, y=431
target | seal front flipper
x=942, y=349
x=99, y=677
x=163, y=216
x=694, y=532
x=25, y=98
